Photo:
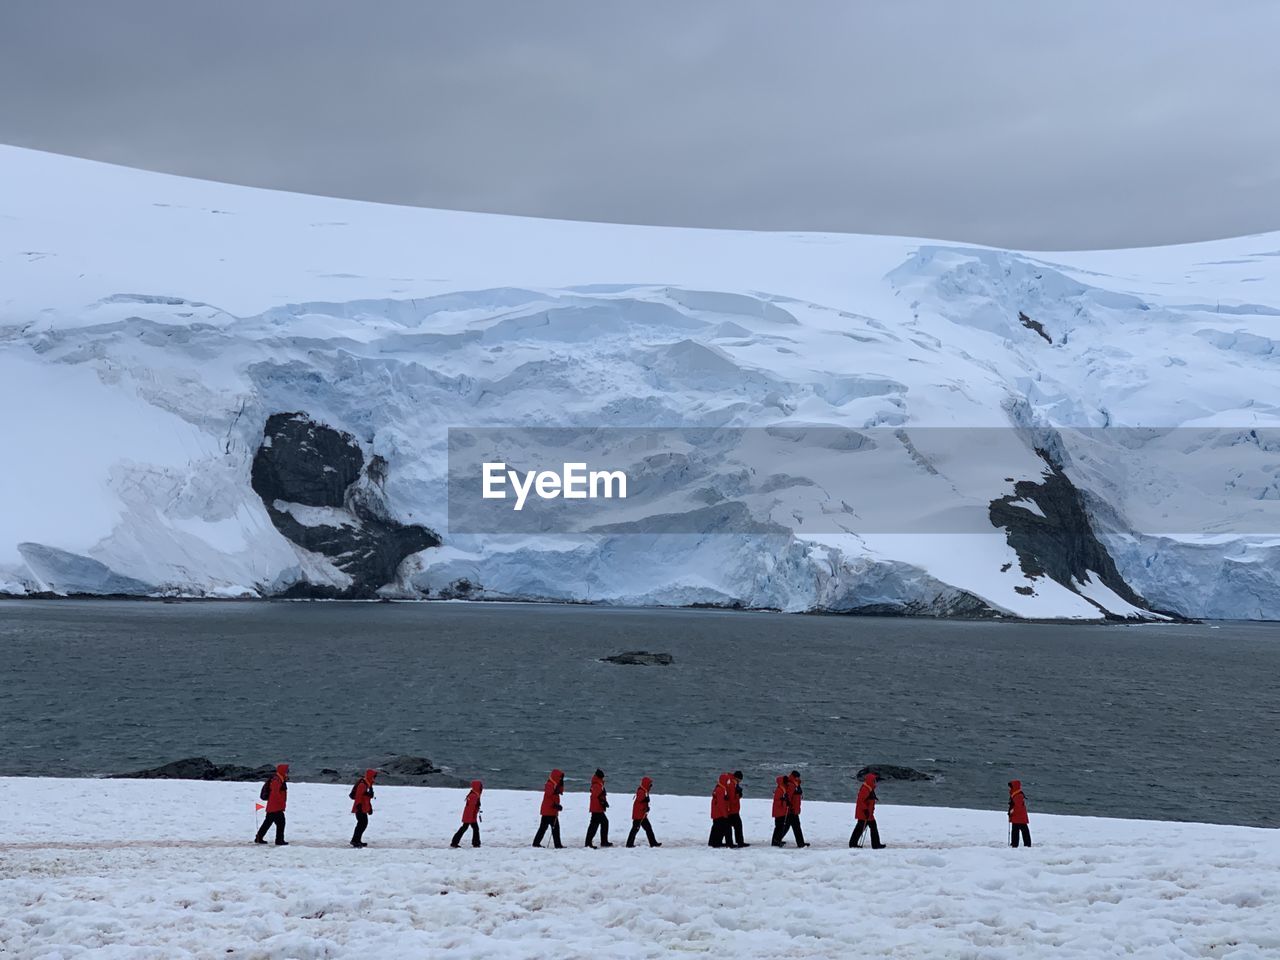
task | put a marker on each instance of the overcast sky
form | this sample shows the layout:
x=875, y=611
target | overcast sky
x=1040, y=125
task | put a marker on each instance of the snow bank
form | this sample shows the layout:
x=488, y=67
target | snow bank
x=165, y=869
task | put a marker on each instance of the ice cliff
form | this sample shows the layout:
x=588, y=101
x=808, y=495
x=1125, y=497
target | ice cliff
x=210, y=390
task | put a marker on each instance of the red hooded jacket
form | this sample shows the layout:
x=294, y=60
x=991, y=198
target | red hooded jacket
x=362, y=793
x=796, y=793
x=782, y=798
x=720, y=798
x=599, y=796
x=278, y=789
x=1017, y=802
x=735, y=796
x=551, y=792
x=640, y=806
x=865, y=808
x=471, y=809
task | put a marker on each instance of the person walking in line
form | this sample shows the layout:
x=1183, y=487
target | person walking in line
x=552, y=791
x=597, y=806
x=276, y=792
x=640, y=815
x=362, y=806
x=734, y=831
x=470, y=816
x=865, y=812
x=796, y=796
x=781, y=809
x=719, y=836
x=1018, y=821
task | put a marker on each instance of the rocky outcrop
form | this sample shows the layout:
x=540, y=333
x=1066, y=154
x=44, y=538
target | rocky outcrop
x=640, y=658
x=1035, y=325
x=322, y=496
x=1048, y=526
x=415, y=772
x=948, y=603
x=199, y=768
x=393, y=771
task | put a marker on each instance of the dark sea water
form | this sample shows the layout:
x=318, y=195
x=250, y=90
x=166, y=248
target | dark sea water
x=1168, y=722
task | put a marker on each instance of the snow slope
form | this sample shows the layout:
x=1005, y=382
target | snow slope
x=165, y=869
x=151, y=325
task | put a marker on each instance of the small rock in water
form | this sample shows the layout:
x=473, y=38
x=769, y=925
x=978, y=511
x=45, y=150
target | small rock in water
x=887, y=771
x=640, y=658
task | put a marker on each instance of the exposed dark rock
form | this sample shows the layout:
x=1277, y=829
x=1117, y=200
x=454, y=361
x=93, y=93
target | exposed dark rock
x=415, y=772
x=303, y=465
x=1035, y=325
x=1061, y=544
x=199, y=768
x=460, y=589
x=301, y=461
x=394, y=771
x=958, y=604
x=887, y=771
x=640, y=658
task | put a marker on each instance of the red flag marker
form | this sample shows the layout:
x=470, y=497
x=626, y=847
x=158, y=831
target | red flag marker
x=259, y=806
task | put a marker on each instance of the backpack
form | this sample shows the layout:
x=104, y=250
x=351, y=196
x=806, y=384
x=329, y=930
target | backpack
x=265, y=792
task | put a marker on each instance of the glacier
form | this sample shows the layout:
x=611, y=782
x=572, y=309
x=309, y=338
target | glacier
x=216, y=391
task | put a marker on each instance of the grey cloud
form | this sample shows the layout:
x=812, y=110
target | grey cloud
x=1032, y=125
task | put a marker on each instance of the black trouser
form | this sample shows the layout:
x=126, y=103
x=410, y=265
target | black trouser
x=278, y=819
x=793, y=824
x=598, y=822
x=362, y=821
x=719, y=833
x=475, y=835
x=779, y=830
x=1017, y=830
x=636, y=827
x=734, y=832
x=553, y=822
x=860, y=827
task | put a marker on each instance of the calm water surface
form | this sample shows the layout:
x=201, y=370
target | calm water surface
x=1170, y=722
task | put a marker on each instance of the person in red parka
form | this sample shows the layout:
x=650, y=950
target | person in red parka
x=1018, y=821
x=597, y=806
x=362, y=805
x=470, y=816
x=735, y=812
x=864, y=811
x=276, y=792
x=796, y=795
x=640, y=815
x=719, y=836
x=552, y=791
x=781, y=809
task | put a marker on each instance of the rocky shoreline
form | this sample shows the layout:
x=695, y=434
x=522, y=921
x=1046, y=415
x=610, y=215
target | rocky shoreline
x=396, y=771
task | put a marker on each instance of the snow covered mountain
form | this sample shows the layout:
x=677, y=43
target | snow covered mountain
x=212, y=390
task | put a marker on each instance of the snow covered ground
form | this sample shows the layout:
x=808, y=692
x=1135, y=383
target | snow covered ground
x=150, y=325
x=164, y=869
